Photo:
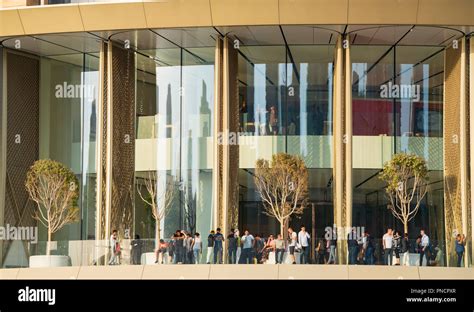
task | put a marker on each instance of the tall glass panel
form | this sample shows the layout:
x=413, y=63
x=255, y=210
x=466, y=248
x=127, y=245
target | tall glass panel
x=419, y=126
x=309, y=107
x=262, y=78
x=175, y=103
x=60, y=124
x=197, y=145
x=397, y=107
x=69, y=86
x=89, y=106
x=373, y=129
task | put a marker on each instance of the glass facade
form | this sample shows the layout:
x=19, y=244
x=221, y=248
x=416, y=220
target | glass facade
x=175, y=120
x=389, y=124
x=286, y=97
x=285, y=105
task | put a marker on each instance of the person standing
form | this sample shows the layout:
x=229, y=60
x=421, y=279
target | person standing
x=332, y=248
x=353, y=246
x=114, y=248
x=259, y=246
x=405, y=247
x=239, y=245
x=248, y=242
x=387, y=241
x=369, y=249
x=460, y=243
x=232, y=247
x=218, y=246
x=279, y=249
x=189, y=248
x=197, y=248
x=179, y=247
x=136, y=249
x=293, y=238
x=424, y=248
x=273, y=121
x=303, y=239
x=321, y=250
x=210, y=246
x=397, y=246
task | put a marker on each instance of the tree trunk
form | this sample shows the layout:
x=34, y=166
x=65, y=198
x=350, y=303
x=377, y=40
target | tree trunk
x=157, y=233
x=282, y=229
x=405, y=227
x=48, y=244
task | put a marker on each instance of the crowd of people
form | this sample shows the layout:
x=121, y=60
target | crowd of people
x=186, y=248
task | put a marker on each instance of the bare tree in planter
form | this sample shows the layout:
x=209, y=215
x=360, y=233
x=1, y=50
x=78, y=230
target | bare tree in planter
x=406, y=176
x=282, y=183
x=159, y=197
x=54, y=188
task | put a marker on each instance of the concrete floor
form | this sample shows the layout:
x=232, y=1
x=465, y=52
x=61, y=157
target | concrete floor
x=226, y=271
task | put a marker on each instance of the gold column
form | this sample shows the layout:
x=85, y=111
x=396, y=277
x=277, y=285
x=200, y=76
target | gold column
x=455, y=147
x=226, y=156
x=338, y=149
x=120, y=147
x=342, y=144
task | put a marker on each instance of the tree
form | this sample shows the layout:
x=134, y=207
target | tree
x=406, y=176
x=282, y=183
x=54, y=188
x=188, y=202
x=159, y=197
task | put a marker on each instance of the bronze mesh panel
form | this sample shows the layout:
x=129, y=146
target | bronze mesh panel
x=220, y=150
x=123, y=141
x=233, y=208
x=103, y=156
x=343, y=155
x=23, y=125
x=452, y=151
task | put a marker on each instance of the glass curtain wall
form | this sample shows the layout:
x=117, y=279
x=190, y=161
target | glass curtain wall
x=285, y=98
x=69, y=86
x=174, y=150
x=386, y=124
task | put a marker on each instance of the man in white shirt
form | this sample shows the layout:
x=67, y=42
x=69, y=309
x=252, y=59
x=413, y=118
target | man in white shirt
x=113, y=248
x=387, y=241
x=248, y=243
x=291, y=247
x=424, y=251
x=303, y=239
